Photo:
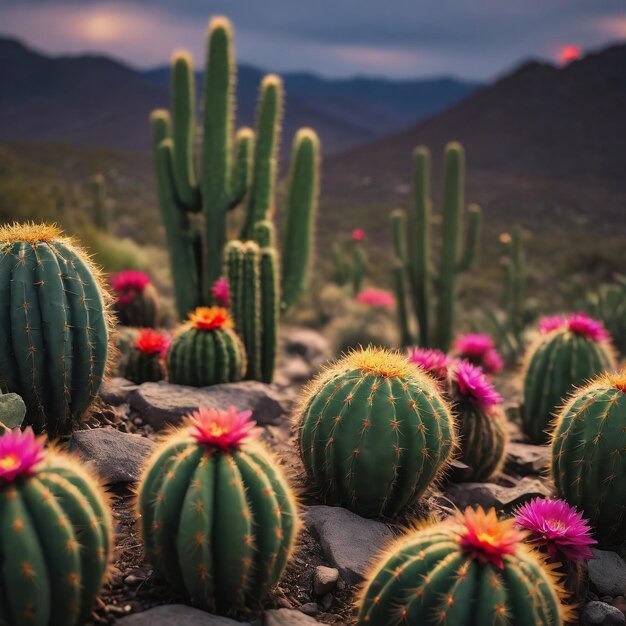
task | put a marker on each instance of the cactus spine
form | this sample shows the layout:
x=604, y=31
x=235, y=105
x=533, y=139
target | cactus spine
x=54, y=323
x=206, y=350
x=55, y=535
x=374, y=433
x=588, y=460
x=469, y=570
x=197, y=257
x=413, y=268
x=219, y=520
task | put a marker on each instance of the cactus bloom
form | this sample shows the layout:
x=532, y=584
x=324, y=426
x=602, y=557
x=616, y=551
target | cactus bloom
x=577, y=323
x=551, y=322
x=20, y=454
x=224, y=429
x=210, y=318
x=376, y=298
x=128, y=283
x=480, y=350
x=473, y=383
x=358, y=234
x=486, y=538
x=557, y=527
x=434, y=361
x=221, y=291
x=152, y=342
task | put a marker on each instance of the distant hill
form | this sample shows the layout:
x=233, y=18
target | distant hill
x=98, y=102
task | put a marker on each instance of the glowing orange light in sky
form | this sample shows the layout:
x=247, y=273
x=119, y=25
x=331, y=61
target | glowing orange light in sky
x=569, y=53
x=105, y=26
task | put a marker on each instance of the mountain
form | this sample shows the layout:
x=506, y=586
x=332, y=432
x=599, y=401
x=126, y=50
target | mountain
x=98, y=102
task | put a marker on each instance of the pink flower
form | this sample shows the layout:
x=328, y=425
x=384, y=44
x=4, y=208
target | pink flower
x=480, y=350
x=492, y=361
x=221, y=292
x=152, y=342
x=550, y=323
x=376, y=297
x=20, y=454
x=472, y=383
x=434, y=362
x=557, y=527
x=223, y=429
x=358, y=234
x=128, y=284
x=582, y=324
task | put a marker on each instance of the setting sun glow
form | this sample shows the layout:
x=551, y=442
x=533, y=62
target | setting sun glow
x=101, y=26
x=569, y=53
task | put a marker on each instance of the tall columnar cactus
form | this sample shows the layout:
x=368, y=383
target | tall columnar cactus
x=413, y=255
x=568, y=352
x=145, y=360
x=349, y=262
x=206, y=350
x=54, y=322
x=55, y=535
x=230, y=172
x=100, y=208
x=374, y=433
x=588, y=459
x=136, y=299
x=219, y=520
x=468, y=571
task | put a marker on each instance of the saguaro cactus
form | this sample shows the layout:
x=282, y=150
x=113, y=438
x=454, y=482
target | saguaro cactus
x=54, y=325
x=230, y=171
x=413, y=256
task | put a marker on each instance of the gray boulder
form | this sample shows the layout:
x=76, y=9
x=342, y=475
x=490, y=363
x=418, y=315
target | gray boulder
x=602, y=613
x=607, y=573
x=177, y=615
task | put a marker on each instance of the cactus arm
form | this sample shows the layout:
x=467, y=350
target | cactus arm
x=8, y=365
x=183, y=132
x=451, y=221
x=264, y=234
x=470, y=249
x=358, y=267
x=341, y=270
x=242, y=166
x=270, y=307
x=303, y=190
x=419, y=233
x=251, y=309
x=398, y=231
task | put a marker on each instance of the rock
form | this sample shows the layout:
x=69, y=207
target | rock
x=115, y=391
x=175, y=615
x=619, y=603
x=307, y=343
x=524, y=459
x=12, y=410
x=490, y=494
x=296, y=370
x=286, y=617
x=602, y=613
x=325, y=580
x=118, y=457
x=161, y=403
x=310, y=608
x=327, y=601
x=607, y=573
x=350, y=542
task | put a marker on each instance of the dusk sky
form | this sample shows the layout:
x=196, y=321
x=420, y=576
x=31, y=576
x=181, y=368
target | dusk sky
x=395, y=38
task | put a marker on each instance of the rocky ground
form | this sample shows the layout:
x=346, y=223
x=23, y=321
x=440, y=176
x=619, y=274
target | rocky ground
x=336, y=546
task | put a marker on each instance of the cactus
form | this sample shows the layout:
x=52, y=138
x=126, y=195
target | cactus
x=219, y=520
x=229, y=175
x=145, y=360
x=55, y=535
x=206, y=351
x=54, y=326
x=608, y=304
x=100, y=208
x=12, y=411
x=349, y=262
x=412, y=263
x=588, y=461
x=374, y=433
x=136, y=299
x=568, y=352
x=469, y=570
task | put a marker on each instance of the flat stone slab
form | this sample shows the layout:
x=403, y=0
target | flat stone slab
x=177, y=615
x=162, y=404
x=286, y=617
x=350, y=542
x=115, y=391
x=607, y=573
x=118, y=457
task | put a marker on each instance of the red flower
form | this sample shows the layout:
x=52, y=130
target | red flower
x=152, y=342
x=210, y=318
x=376, y=298
x=358, y=234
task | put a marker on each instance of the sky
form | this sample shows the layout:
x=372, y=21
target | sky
x=473, y=39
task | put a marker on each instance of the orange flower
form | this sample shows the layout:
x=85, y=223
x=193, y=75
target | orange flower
x=210, y=318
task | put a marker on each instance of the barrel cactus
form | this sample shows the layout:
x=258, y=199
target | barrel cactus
x=469, y=570
x=136, y=299
x=54, y=325
x=219, y=520
x=478, y=411
x=145, y=360
x=207, y=350
x=55, y=535
x=374, y=432
x=588, y=459
x=569, y=351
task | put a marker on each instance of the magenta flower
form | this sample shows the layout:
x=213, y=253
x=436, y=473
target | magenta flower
x=434, y=362
x=358, y=234
x=480, y=350
x=376, y=298
x=223, y=429
x=20, y=454
x=221, y=292
x=128, y=284
x=492, y=361
x=472, y=383
x=582, y=324
x=557, y=527
x=551, y=322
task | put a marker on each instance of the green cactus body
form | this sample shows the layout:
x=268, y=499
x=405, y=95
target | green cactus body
x=556, y=364
x=219, y=520
x=374, y=433
x=55, y=541
x=206, y=351
x=140, y=311
x=144, y=368
x=468, y=571
x=588, y=459
x=101, y=217
x=53, y=326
